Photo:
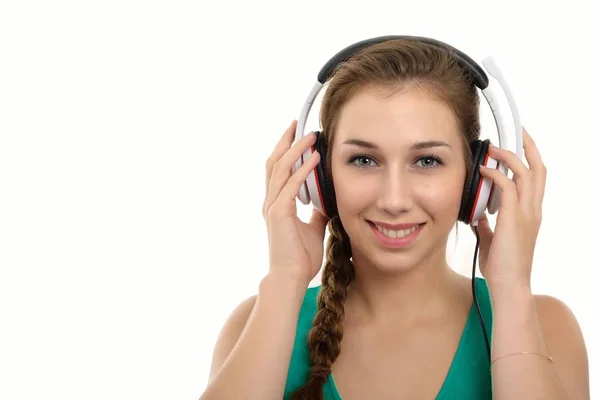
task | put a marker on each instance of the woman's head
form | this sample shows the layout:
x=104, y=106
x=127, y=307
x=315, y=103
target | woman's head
x=398, y=118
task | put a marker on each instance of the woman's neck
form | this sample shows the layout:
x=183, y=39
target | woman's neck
x=425, y=292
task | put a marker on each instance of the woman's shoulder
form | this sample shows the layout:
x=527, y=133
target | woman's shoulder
x=564, y=341
x=558, y=322
x=230, y=333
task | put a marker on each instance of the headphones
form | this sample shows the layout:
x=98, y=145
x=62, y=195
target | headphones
x=478, y=194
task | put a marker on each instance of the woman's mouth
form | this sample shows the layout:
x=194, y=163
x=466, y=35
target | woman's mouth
x=395, y=237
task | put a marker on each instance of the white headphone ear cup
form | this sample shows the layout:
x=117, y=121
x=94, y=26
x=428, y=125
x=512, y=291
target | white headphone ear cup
x=304, y=194
x=313, y=191
x=486, y=188
x=494, y=202
x=309, y=191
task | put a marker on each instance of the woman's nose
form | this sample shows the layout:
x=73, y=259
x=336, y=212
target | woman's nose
x=395, y=193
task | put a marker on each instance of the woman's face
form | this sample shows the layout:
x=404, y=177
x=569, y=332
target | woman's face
x=397, y=160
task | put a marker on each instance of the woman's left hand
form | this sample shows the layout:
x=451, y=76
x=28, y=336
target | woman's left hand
x=506, y=254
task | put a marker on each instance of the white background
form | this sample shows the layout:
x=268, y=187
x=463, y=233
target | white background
x=133, y=138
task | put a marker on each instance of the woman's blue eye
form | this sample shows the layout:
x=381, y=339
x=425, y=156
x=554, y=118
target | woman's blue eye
x=363, y=161
x=431, y=161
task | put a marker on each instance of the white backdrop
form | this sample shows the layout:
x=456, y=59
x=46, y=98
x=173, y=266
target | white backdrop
x=133, y=138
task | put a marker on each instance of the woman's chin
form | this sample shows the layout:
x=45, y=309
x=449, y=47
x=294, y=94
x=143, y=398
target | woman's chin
x=392, y=264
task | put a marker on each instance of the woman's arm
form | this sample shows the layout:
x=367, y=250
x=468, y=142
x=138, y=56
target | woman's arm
x=252, y=355
x=544, y=325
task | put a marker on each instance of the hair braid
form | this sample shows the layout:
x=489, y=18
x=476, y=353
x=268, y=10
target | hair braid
x=326, y=334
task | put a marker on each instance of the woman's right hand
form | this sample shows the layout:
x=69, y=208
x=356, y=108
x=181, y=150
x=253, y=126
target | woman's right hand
x=295, y=247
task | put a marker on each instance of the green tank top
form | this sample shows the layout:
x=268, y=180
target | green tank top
x=469, y=375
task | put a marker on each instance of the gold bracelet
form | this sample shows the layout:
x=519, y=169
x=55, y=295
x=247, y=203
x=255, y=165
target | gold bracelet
x=523, y=352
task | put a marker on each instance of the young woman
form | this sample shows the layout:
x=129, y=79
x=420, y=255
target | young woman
x=391, y=319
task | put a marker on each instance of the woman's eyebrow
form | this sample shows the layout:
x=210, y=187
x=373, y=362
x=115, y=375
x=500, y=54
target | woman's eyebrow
x=415, y=146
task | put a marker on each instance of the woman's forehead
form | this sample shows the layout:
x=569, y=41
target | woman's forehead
x=403, y=118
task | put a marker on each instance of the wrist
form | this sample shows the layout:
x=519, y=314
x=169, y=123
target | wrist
x=516, y=324
x=284, y=281
x=509, y=289
x=277, y=291
x=512, y=298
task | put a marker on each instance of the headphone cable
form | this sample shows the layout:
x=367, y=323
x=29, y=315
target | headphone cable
x=487, y=343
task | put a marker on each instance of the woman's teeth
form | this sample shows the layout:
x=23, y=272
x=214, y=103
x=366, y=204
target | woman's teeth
x=396, y=234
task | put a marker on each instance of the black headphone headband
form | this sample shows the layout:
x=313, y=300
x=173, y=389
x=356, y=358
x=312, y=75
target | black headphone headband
x=477, y=74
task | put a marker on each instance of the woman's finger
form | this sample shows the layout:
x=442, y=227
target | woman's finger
x=282, y=146
x=522, y=176
x=509, y=197
x=537, y=167
x=285, y=203
x=282, y=169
